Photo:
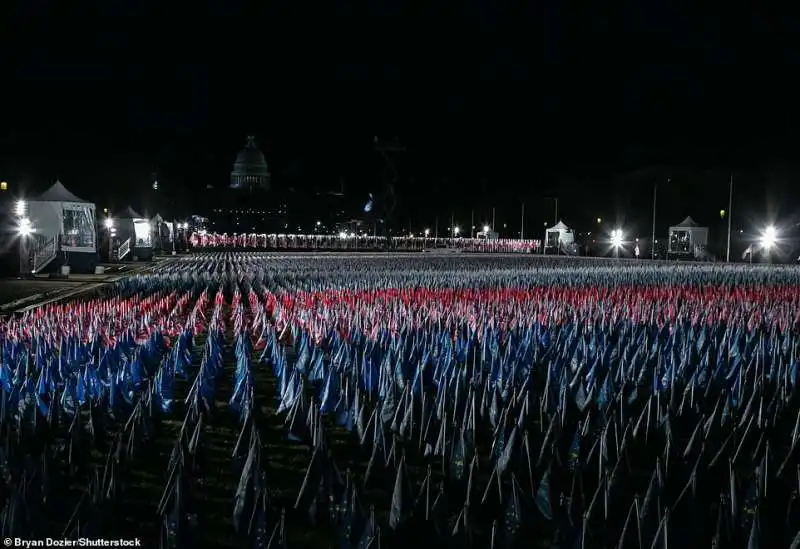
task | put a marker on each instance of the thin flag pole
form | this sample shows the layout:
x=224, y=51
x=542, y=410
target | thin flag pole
x=730, y=209
x=522, y=224
x=555, y=221
x=653, y=240
x=472, y=225
x=493, y=217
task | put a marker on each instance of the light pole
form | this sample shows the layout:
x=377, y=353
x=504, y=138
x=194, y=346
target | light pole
x=555, y=203
x=730, y=210
x=653, y=235
x=109, y=223
x=544, y=242
x=768, y=241
x=617, y=241
x=24, y=230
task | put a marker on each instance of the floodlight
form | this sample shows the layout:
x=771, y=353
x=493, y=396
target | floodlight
x=456, y=230
x=427, y=232
x=616, y=238
x=486, y=228
x=109, y=223
x=343, y=234
x=769, y=238
x=25, y=227
x=20, y=208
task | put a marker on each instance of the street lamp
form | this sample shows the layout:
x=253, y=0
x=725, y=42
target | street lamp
x=485, y=230
x=109, y=223
x=456, y=230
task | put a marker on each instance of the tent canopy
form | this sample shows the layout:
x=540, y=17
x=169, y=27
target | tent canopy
x=558, y=235
x=687, y=223
x=128, y=213
x=687, y=237
x=560, y=227
x=59, y=193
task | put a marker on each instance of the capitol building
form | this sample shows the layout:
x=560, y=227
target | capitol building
x=250, y=203
x=250, y=171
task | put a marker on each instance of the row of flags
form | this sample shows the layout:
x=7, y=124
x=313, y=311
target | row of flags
x=348, y=241
x=471, y=402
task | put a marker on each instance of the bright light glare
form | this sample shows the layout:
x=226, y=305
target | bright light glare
x=457, y=230
x=109, y=223
x=427, y=232
x=343, y=234
x=616, y=238
x=769, y=238
x=25, y=227
x=20, y=208
x=486, y=228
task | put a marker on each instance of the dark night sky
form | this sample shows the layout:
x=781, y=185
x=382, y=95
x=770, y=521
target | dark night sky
x=498, y=102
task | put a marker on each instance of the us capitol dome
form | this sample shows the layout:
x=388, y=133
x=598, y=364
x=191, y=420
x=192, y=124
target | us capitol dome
x=250, y=170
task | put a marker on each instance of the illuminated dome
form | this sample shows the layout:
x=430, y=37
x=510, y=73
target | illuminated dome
x=250, y=169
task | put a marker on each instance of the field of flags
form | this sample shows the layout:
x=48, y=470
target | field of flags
x=243, y=399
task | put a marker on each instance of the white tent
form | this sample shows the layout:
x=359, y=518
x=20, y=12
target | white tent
x=558, y=236
x=133, y=233
x=69, y=219
x=687, y=238
x=159, y=225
